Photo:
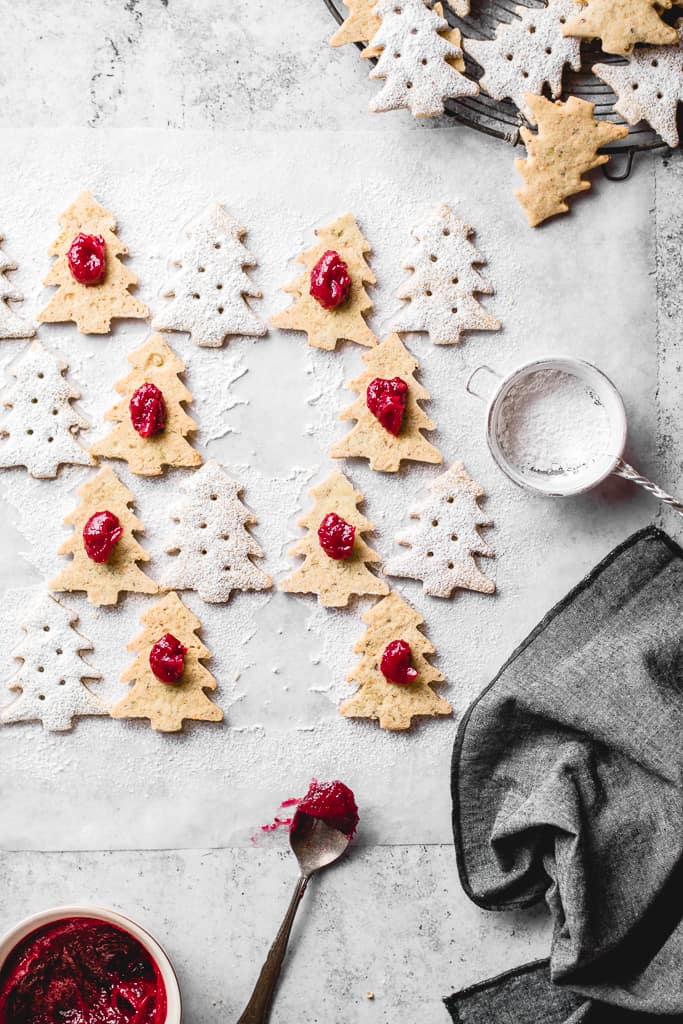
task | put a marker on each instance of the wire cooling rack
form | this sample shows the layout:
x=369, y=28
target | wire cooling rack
x=501, y=118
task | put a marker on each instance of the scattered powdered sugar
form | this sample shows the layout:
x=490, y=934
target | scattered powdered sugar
x=552, y=422
x=281, y=661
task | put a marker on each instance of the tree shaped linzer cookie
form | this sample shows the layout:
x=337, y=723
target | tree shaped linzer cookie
x=92, y=282
x=330, y=300
x=650, y=87
x=211, y=545
x=360, y=25
x=389, y=419
x=169, y=679
x=50, y=678
x=39, y=427
x=620, y=24
x=414, y=60
x=560, y=153
x=152, y=425
x=11, y=324
x=394, y=675
x=527, y=53
x=209, y=285
x=104, y=550
x=336, y=556
x=445, y=539
x=440, y=292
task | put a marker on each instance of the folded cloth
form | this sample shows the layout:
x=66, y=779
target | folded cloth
x=567, y=783
x=528, y=996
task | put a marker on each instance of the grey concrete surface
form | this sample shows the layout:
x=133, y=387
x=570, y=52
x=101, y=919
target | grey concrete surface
x=392, y=919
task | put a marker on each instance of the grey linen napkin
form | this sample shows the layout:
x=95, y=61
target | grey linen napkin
x=567, y=783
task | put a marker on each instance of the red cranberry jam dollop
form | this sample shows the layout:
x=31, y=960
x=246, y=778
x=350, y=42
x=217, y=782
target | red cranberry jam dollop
x=331, y=802
x=386, y=400
x=167, y=658
x=395, y=664
x=336, y=536
x=100, y=534
x=147, y=410
x=87, y=259
x=81, y=970
x=330, y=281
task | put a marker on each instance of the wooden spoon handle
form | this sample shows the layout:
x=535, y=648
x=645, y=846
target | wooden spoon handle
x=257, y=1010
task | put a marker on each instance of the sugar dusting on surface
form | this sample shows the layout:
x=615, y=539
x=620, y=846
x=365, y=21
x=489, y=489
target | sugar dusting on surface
x=280, y=661
x=552, y=423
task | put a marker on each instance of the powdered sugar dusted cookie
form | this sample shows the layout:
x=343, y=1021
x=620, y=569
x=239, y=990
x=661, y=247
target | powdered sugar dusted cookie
x=344, y=320
x=394, y=675
x=650, y=87
x=39, y=428
x=152, y=425
x=103, y=578
x=441, y=290
x=620, y=24
x=209, y=286
x=414, y=60
x=445, y=538
x=389, y=420
x=363, y=22
x=211, y=543
x=169, y=679
x=527, y=53
x=50, y=678
x=11, y=324
x=564, y=148
x=91, y=304
x=336, y=556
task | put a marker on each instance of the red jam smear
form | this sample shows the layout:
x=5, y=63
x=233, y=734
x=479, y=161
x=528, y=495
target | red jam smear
x=101, y=532
x=386, y=400
x=167, y=658
x=396, y=665
x=330, y=280
x=336, y=536
x=87, y=259
x=331, y=802
x=147, y=410
x=81, y=970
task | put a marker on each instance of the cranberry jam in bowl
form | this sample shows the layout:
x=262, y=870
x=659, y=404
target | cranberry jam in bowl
x=85, y=965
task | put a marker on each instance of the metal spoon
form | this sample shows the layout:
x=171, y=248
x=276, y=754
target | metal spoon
x=315, y=846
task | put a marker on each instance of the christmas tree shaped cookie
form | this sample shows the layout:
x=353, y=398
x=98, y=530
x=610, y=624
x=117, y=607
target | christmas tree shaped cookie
x=50, y=678
x=211, y=545
x=209, y=288
x=103, y=545
x=169, y=679
x=336, y=557
x=564, y=148
x=394, y=675
x=92, y=282
x=39, y=429
x=389, y=419
x=11, y=324
x=445, y=538
x=649, y=87
x=620, y=24
x=527, y=53
x=360, y=25
x=440, y=292
x=345, y=279
x=152, y=424
x=414, y=60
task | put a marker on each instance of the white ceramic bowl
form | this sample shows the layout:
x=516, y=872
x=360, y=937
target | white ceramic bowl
x=14, y=936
